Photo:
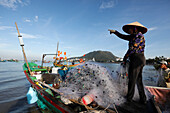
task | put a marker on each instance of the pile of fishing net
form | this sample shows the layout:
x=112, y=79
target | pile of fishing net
x=93, y=81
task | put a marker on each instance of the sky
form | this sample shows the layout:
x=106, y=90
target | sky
x=80, y=26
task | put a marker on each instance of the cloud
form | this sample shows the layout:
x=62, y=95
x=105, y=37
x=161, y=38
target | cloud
x=109, y=4
x=152, y=28
x=13, y=4
x=27, y=20
x=36, y=19
x=6, y=27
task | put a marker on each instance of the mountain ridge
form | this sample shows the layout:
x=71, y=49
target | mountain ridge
x=100, y=56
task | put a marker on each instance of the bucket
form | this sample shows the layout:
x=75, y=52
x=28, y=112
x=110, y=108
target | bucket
x=55, y=70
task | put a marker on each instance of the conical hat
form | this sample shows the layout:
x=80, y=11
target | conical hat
x=139, y=26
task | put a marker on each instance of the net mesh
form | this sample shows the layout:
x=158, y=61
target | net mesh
x=96, y=80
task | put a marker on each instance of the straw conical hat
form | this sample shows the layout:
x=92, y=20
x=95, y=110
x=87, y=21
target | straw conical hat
x=139, y=26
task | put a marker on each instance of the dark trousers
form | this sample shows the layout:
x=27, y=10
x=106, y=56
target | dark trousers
x=137, y=62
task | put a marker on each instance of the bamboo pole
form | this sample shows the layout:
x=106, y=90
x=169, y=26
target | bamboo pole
x=55, y=61
x=25, y=58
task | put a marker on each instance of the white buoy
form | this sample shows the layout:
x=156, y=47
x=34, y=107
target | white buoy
x=21, y=40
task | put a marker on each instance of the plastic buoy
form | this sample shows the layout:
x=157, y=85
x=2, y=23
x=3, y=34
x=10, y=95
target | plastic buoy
x=87, y=99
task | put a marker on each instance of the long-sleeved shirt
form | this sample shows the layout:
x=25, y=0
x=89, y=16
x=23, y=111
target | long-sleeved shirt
x=136, y=43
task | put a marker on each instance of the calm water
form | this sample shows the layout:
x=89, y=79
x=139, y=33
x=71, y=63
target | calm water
x=14, y=86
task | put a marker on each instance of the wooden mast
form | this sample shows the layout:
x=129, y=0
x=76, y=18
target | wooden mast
x=22, y=45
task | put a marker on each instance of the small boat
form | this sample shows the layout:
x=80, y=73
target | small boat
x=2, y=60
x=60, y=63
x=161, y=92
x=71, y=66
x=161, y=97
x=53, y=100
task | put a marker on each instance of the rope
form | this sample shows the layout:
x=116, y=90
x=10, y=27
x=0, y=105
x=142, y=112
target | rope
x=115, y=108
x=107, y=107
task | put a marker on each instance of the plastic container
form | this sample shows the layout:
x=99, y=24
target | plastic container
x=55, y=70
x=31, y=96
x=87, y=99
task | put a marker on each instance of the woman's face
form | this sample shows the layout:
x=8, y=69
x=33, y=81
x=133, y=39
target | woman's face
x=131, y=30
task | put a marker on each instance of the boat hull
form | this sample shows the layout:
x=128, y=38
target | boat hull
x=162, y=94
x=55, y=105
x=70, y=66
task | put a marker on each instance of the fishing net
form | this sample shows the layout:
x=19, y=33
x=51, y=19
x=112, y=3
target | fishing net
x=94, y=80
x=122, y=78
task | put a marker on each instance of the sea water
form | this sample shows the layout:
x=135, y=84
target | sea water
x=14, y=86
x=13, y=89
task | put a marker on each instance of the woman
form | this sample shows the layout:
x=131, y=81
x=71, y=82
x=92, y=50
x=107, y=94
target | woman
x=136, y=56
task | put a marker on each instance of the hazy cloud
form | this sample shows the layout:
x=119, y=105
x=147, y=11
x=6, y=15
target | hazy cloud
x=36, y=19
x=6, y=27
x=152, y=28
x=107, y=4
x=33, y=19
x=27, y=20
x=13, y=4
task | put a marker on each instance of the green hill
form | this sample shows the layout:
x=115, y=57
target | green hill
x=100, y=56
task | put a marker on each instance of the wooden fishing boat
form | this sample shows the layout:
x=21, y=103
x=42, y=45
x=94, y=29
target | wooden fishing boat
x=161, y=97
x=161, y=92
x=59, y=63
x=51, y=99
x=71, y=66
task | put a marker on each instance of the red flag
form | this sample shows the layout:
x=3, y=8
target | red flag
x=64, y=53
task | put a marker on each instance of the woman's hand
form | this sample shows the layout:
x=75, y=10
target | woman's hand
x=111, y=31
